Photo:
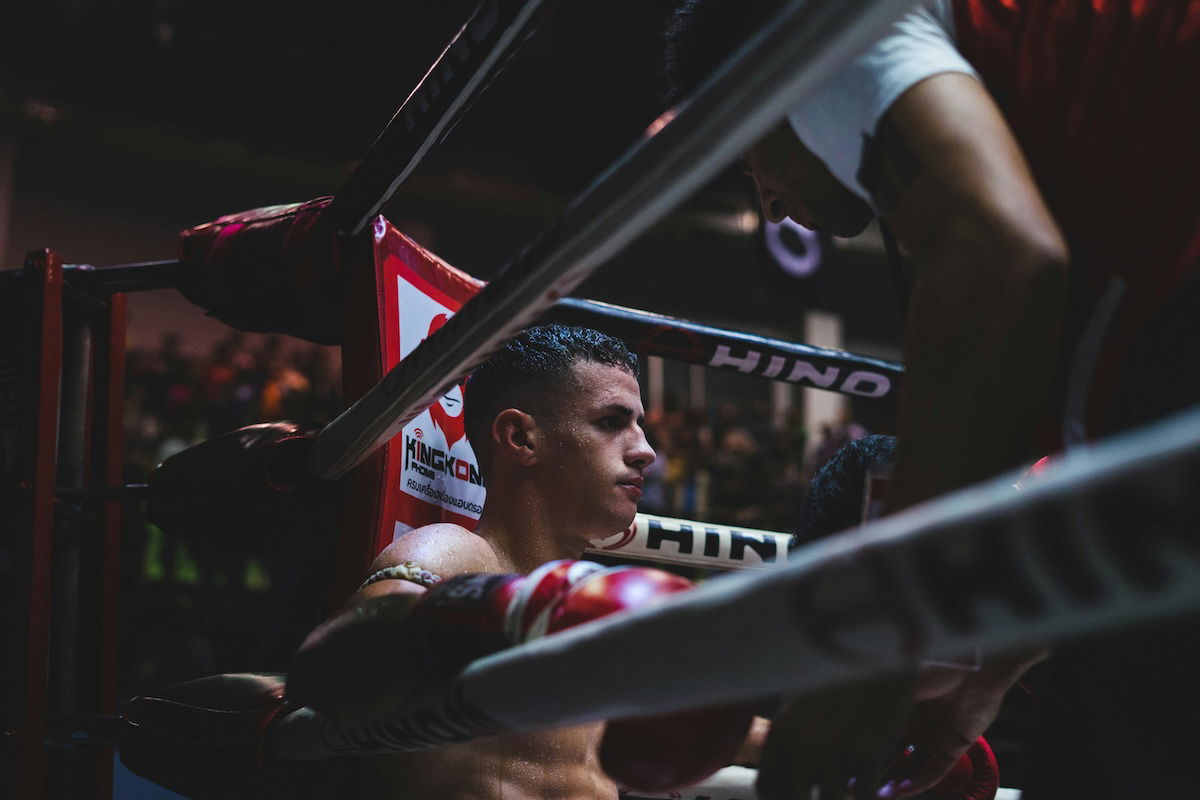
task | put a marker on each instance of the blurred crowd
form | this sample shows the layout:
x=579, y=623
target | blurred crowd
x=174, y=399
x=735, y=465
x=188, y=608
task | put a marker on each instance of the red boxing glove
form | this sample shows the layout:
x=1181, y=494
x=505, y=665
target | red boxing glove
x=975, y=776
x=538, y=606
x=1036, y=472
x=668, y=750
x=466, y=617
x=614, y=589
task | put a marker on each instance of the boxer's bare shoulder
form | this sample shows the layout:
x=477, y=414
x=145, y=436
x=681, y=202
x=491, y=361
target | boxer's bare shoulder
x=443, y=548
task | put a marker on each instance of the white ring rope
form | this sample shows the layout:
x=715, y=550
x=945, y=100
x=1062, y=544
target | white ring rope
x=665, y=540
x=1106, y=541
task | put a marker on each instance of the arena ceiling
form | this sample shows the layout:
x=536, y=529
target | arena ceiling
x=324, y=78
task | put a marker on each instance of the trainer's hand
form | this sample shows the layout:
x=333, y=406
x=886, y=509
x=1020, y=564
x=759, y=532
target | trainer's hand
x=839, y=741
x=953, y=709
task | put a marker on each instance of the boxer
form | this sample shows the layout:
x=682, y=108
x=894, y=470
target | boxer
x=555, y=420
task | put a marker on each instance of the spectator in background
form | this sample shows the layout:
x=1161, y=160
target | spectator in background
x=737, y=485
x=835, y=436
x=654, y=489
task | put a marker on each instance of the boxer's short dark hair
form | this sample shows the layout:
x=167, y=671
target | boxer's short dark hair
x=533, y=366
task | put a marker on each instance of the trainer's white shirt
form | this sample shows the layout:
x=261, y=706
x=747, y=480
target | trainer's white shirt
x=835, y=123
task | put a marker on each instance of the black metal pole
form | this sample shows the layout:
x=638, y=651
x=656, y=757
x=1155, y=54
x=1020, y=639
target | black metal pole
x=140, y=277
x=429, y=113
x=99, y=494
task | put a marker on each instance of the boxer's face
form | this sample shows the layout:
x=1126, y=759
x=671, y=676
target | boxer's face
x=597, y=450
x=792, y=182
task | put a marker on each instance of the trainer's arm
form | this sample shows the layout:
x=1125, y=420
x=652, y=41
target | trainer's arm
x=751, y=750
x=990, y=269
x=990, y=277
x=360, y=661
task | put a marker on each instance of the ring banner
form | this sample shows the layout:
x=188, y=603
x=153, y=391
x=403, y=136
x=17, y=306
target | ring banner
x=804, y=44
x=1104, y=542
x=750, y=354
x=463, y=69
x=664, y=540
x=433, y=473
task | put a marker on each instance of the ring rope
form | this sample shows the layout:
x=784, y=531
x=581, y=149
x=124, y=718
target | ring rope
x=456, y=78
x=787, y=61
x=647, y=332
x=666, y=540
x=655, y=334
x=984, y=567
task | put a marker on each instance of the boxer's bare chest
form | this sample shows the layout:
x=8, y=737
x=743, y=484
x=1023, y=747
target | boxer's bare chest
x=558, y=765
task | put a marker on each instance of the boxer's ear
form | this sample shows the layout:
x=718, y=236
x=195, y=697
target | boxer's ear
x=516, y=436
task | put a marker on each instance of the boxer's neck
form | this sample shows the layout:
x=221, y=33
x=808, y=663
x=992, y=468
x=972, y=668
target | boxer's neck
x=520, y=527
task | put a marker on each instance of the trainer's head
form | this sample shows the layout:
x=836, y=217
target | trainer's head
x=560, y=407
x=789, y=179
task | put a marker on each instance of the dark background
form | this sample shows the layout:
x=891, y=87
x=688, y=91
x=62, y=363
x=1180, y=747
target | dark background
x=171, y=113
x=123, y=122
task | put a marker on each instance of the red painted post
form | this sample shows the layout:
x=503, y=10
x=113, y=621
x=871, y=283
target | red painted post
x=43, y=269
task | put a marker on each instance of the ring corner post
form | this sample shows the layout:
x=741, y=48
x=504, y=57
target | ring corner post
x=33, y=460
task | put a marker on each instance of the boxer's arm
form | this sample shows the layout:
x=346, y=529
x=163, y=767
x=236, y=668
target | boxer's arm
x=989, y=268
x=751, y=750
x=361, y=661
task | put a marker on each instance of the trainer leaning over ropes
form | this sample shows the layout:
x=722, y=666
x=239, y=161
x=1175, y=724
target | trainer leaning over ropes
x=1034, y=161
x=555, y=418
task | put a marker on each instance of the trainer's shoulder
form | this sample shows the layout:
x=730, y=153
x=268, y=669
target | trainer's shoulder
x=442, y=548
